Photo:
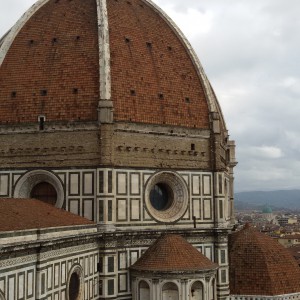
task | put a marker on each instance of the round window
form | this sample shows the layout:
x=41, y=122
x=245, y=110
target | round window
x=161, y=196
x=166, y=197
x=45, y=192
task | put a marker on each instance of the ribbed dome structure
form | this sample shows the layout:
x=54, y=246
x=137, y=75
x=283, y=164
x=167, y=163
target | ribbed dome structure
x=173, y=253
x=71, y=55
x=259, y=265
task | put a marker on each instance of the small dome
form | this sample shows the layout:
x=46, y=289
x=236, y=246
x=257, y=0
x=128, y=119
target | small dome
x=267, y=210
x=173, y=253
x=259, y=265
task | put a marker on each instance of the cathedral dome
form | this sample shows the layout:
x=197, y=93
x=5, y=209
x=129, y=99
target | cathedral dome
x=70, y=60
x=170, y=253
x=267, y=210
x=259, y=265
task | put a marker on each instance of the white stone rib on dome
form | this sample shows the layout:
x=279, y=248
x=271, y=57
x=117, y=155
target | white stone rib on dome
x=10, y=37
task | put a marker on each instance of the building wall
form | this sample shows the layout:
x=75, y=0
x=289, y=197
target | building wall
x=117, y=196
x=115, y=199
x=46, y=274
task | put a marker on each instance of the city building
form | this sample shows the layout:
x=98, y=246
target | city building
x=108, y=120
x=106, y=113
x=261, y=268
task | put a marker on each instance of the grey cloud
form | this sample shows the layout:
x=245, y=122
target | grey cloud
x=250, y=52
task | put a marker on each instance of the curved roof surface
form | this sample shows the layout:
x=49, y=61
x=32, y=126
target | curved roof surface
x=259, y=265
x=172, y=253
x=57, y=62
x=22, y=214
x=267, y=210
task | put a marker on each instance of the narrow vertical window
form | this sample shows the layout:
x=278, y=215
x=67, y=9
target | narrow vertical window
x=101, y=211
x=221, y=209
x=110, y=264
x=109, y=181
x=109, y=210
x=41, y=120
x=223, y=256
x=220, y=184
x=110, y=287
x=101, y=182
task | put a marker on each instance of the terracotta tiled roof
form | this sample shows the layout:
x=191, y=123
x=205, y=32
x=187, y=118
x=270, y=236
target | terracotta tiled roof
x=19, y=214
x=295, y=251
x=259, y=265
x=172, y=253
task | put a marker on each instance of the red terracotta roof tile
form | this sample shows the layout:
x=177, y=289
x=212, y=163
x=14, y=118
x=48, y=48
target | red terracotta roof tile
x=172, y=253
x=259, y=265
x=21, y=214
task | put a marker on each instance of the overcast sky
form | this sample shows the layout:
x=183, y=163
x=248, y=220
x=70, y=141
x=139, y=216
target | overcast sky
x=250, y=50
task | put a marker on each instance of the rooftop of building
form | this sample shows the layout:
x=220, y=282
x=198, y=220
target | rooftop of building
x=170, y=253
x=22, y=214
x=259, y=265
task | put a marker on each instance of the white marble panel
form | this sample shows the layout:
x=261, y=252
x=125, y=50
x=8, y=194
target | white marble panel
x=74, y=184
x=134, y=184
x=88, y=183
x=207, y=209
x=4, y=187
x=135, y=209
x=122, y=215
x=206, y=184
x=21, y=282
x=196, y=184
x=197, y=208
x=123, y=282
x=122, y=183
x=88, y=209
x=74, y=207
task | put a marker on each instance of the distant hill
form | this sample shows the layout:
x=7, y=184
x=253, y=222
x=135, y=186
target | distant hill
x=288, y=199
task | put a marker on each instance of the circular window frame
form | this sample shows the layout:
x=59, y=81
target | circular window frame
x=77, y=268
x=179, y=204
x=29, y=180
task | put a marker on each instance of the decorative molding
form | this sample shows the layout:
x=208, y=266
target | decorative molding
x=26, y=183
x=179, y=202
x=122, y=148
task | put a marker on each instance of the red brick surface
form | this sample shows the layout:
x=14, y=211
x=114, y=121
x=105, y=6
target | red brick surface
x=162, y=68
x=57, y=51
x=21, y=214
x=259, y=265
x=173, y=253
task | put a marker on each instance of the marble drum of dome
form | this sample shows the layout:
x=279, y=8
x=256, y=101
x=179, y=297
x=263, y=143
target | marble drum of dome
x=166, y=197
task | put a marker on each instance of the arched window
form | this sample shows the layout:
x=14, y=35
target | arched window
x=75, y=283
x=170, y=291
x=45, y=192
x=144, y=291
x=196, y=292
